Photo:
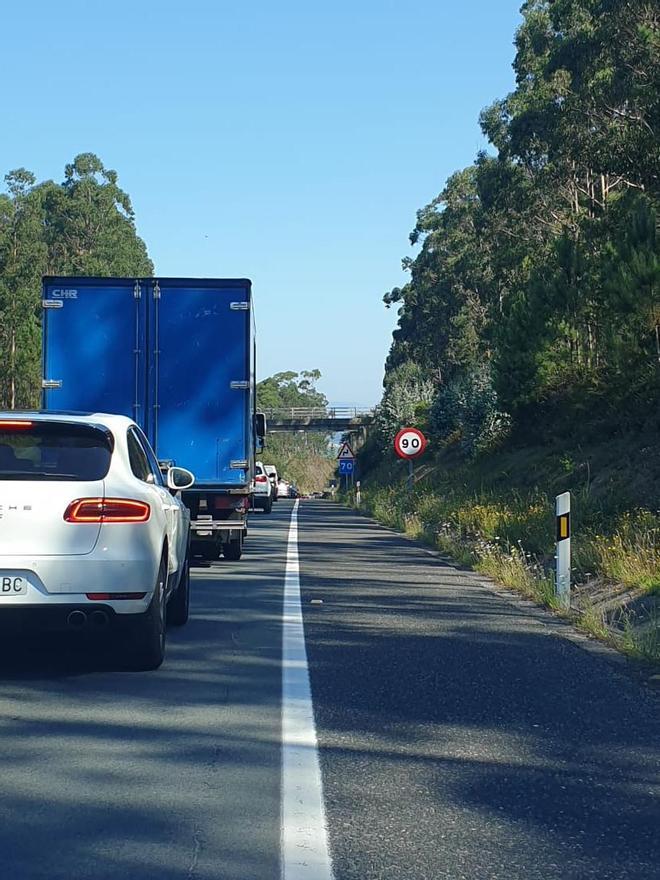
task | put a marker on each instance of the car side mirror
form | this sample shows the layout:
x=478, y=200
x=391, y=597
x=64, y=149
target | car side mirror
x=179, y=478
x=260, y=430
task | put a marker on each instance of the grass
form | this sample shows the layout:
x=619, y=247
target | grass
x=478, y=515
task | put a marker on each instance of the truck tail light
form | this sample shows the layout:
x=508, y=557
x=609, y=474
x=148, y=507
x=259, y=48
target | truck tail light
x=107, y=510
x=226, y=502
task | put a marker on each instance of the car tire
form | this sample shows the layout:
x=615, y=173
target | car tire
x=178, y=608
x=233, y=550
x=268, y=506
x=148, y=650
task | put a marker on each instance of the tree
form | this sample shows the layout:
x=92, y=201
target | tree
x=22, y=256
x=289, y=389
x=83, y=226
x=302, y=457
x=536, y=277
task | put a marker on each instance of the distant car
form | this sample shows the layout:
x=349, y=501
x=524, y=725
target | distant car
x=263, y=490
x=273, y=476
x=293, y=491
x=91, y=535
x=283, y=489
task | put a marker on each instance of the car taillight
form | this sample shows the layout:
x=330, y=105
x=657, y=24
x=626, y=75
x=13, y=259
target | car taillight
x=260, y=479
x=15, y=425
x=107, y=510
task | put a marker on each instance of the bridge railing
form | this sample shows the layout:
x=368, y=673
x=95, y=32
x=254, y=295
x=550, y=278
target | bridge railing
x=330, y=413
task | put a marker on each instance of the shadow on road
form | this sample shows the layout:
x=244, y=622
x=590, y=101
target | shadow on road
x=166, y=774
x=459, y=735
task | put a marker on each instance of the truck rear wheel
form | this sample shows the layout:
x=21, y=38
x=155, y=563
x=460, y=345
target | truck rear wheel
x=233, y=550
x=211, y=551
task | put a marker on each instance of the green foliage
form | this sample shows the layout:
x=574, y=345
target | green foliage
x=537, y=274
x=290, y=389
x=83, y=226
x=408, y=395
x=466, y=410
x=303, y=458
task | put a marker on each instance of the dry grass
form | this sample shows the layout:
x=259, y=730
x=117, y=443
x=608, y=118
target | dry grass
x=510, y=538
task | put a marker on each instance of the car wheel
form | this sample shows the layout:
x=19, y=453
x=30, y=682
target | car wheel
x=268, y=506
x=178, y=608
x=233, y=550
x=148, y=649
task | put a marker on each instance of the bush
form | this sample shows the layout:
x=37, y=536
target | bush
x=466, y=409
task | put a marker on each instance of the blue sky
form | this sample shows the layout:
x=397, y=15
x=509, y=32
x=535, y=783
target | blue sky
x=289, y=142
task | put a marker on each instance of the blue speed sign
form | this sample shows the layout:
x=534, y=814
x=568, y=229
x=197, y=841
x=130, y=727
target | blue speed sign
x=346, y=466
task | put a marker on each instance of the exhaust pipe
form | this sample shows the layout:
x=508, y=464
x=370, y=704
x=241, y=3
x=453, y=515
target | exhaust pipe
x=77, y=619
x=99, y=618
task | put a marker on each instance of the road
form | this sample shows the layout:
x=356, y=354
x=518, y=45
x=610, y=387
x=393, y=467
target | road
x=459, y=735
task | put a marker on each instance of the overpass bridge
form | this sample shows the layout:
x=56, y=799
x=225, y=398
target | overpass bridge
x=327, y=420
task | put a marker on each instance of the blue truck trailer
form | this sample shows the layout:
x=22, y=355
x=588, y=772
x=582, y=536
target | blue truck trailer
x=178, y=356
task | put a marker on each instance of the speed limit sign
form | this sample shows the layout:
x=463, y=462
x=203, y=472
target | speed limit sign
x=409, y=443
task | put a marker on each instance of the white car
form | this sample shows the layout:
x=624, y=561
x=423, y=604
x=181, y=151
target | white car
x=283, y=489
x=263, y=490
x=91, y=535
x=271, y=473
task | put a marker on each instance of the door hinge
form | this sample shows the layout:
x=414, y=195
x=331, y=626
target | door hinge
x=239, y=465
x=156, y=290
x=240, y=306
x=137, y=290
x=51, y=383
x=52, y=304
x=239, y=385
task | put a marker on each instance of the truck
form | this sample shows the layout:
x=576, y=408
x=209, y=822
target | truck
x=177, y=355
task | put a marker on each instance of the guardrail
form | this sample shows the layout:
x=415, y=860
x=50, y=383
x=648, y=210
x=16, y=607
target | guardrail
x=301, y=413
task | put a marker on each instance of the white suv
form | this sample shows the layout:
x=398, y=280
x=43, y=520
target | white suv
x=263, y=490
x=91, y=537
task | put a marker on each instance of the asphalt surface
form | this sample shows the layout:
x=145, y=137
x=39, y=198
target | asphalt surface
x=460, y=737
x=166, y=775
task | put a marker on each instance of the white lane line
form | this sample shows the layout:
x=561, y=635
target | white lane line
x=305, y=851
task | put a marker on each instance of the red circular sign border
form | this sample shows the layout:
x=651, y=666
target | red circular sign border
x=423, y=440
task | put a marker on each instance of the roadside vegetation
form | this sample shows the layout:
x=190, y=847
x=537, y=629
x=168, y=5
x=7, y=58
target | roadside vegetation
x=496, y=514
x=82, y=226
x=528, y=338
x=302, y=458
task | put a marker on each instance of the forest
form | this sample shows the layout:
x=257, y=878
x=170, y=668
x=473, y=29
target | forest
x=535, y=285
x=528, y=339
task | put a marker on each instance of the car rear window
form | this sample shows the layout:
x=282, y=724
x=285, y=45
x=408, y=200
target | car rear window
x=53, y=451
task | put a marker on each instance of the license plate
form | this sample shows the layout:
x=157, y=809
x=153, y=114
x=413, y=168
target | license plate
x=13, y=585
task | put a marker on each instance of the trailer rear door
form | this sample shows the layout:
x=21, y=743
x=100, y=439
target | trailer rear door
x=200, y=378
x=94, y=346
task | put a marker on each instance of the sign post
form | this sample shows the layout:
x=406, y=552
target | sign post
x=409, y=444
x=346, y=460
x=563, y=575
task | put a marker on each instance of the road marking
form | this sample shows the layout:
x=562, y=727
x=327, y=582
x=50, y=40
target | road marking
x=305, y=851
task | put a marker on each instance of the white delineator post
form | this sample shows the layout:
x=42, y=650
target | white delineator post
x=563, y=576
